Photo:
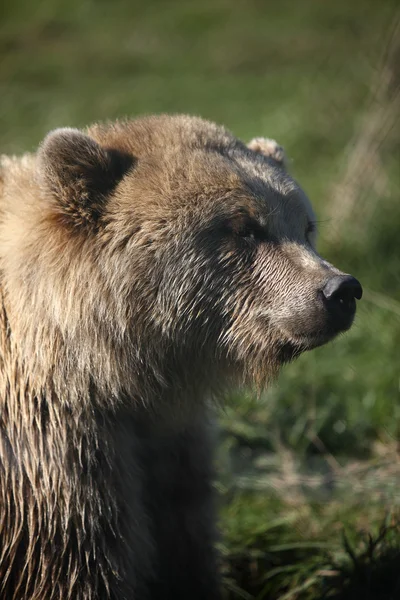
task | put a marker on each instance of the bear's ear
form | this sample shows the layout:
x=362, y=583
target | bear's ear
x=269, y=148
x=79, y=174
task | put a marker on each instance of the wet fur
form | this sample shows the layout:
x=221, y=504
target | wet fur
x=125, y=303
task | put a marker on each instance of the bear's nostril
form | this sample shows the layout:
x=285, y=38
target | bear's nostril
x=343, y=289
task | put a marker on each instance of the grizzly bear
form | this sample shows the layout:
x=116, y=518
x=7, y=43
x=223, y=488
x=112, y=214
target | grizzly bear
x=145, y=266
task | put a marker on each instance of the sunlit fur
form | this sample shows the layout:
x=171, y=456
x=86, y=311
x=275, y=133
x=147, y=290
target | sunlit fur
x=133, y=289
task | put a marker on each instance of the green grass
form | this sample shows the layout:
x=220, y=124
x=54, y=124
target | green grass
x=318, y=451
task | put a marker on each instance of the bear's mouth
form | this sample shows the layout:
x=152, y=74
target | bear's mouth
x=292, y=348
x=324, y=330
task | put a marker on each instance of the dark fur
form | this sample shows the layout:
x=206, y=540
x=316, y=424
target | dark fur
x=143, y=265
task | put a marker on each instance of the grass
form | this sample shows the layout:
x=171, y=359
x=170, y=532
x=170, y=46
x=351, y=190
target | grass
x=318, y=451
x=339, y=568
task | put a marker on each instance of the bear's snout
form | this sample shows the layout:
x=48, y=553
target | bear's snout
x=339, y=295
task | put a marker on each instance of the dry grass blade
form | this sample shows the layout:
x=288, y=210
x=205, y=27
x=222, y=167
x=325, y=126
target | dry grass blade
x=364, y=170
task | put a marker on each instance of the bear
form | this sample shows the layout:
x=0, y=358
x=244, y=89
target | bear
x=146, y=266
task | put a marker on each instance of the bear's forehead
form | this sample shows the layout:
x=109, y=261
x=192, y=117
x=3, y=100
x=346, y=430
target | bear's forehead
x=189, y=163
x=204, y=190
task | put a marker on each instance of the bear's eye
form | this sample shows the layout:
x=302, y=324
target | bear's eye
x=247, y=229
x=247, y=232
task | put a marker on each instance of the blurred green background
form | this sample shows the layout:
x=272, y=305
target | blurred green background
x=318, y=452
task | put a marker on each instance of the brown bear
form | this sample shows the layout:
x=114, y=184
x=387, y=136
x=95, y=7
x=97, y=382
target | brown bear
x=144, y=266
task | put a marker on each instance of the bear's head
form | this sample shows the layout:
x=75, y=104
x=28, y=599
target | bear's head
x=180, y=254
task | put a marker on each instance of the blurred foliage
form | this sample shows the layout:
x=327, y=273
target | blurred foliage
x=319, y=449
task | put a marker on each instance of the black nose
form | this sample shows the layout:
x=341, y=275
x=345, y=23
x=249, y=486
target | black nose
x=343, y=290
x=339, y=296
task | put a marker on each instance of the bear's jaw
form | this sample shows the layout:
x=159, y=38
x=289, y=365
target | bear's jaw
x=289, y=351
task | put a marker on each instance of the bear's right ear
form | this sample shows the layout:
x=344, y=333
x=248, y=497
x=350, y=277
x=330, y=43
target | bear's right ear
x=78, y=174
x=269, y=148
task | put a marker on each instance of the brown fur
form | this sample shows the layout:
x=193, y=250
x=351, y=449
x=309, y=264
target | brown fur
x=142, y=264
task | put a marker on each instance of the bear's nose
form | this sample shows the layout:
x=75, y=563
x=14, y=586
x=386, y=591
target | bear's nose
x=343, y=289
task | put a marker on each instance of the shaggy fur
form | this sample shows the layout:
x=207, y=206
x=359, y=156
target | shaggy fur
x=142, y=263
